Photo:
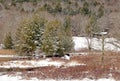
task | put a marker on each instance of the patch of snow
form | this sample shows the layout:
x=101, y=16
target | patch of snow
x=74, y=63
x=105, y=79
x=81, y=42
x=1, y=46
x=83, y=53
x=67, y=57
x=7, y=56
x=31, y=63
x=103, y=33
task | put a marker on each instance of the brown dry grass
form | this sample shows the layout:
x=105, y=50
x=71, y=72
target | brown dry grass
x=7, y=51
x=5, y=59
x=93, y=69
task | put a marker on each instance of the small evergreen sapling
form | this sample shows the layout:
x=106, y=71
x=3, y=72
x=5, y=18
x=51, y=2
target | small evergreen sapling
x=8, y=41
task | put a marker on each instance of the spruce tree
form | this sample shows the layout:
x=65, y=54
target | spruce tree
x=58, y=8
x=85, y=10
x=55, y=39
x=28, y=35
x=8, y=41
x=51, y=38
x=67, y=28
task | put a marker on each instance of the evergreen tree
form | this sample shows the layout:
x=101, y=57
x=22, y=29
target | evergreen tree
x=55, y=39
x=28, y=35
x=8, y=42
x=85, y=10
x=51, y=38
x=67, y=26
x=58, y=8
x=49, y=8
x=68, y=43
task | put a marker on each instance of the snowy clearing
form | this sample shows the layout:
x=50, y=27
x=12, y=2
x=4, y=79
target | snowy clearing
x=81, y=43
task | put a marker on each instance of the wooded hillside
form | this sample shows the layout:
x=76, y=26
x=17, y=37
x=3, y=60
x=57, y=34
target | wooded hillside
x=105, y=12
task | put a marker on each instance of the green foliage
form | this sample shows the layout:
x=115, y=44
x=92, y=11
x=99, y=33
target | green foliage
x=91, y=26
x=67, y=43
x=20, y=1
x=67, y=26
x=95, y=3
x=85, y=10
x=69, y=8
x=2, y=1
x=28, y=35
x=8, y=42
x=51, y=38
x=66, y=0
x=70, y=11
x=55, y=39
x=58, y=8
x=48, y=8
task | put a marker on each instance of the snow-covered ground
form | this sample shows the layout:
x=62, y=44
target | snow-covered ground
x=81, y=43
x=38, y=63
x=19, y=78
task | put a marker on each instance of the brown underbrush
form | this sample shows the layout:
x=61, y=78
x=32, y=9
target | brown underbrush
x=93, y=69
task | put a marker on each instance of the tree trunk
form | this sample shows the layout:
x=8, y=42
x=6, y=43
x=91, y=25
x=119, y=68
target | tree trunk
x=102, y=59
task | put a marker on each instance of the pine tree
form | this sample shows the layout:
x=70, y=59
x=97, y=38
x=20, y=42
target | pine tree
x=85, y=10
x=8, y=42
x=51, y=38
x=55, y=39
x=28, y=35
x=58, y=8
x=68, y=43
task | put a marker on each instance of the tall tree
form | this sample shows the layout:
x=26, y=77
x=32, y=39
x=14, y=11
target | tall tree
x=90, y=29
x=55, y=39
x=28, y=35
x=68, y=43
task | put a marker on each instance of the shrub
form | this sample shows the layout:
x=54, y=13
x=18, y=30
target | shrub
x=8, y=42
